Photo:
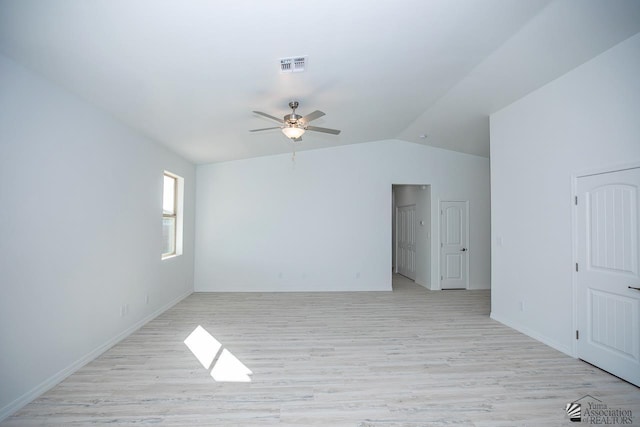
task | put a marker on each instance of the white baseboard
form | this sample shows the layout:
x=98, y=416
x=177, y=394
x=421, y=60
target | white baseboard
x=55, y=379
x=536, y=336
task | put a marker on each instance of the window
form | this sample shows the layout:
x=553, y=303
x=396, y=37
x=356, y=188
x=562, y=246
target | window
x=172, y=215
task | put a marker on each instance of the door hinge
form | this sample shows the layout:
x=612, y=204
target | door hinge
x=576, y=200
x=441, y=277
x=576, y=266
x=577, y=334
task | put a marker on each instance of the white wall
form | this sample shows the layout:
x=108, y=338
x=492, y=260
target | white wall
x=585, y=120
x=80, y=227
x=324, y=223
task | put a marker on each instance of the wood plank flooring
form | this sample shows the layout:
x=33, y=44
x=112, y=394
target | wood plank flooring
x=404, y=359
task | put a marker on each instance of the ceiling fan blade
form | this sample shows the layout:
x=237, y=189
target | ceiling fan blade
x=268, y=116
x=312, y=116
x=325, y=130
x=258, y=130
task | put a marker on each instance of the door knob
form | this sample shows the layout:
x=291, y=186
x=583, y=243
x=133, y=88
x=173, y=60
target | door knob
x=463, y=250
x=631, y=287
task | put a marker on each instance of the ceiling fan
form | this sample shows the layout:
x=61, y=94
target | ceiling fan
x=294, y=125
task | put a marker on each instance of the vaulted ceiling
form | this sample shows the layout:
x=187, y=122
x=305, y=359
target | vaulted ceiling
x=189, y=73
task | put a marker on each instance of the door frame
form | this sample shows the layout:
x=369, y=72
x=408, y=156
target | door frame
x=440, y=248
x=574, y=236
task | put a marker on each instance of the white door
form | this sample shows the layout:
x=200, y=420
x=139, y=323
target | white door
x=406, y=237
x=454, y=245
x=608, y=281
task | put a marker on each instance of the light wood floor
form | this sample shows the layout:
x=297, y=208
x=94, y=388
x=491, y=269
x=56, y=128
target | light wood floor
x=405, y=359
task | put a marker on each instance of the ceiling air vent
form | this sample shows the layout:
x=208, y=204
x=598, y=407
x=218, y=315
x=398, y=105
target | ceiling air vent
x=293, y=65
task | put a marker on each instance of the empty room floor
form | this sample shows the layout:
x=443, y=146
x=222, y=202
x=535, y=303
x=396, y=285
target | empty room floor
x=406, y=358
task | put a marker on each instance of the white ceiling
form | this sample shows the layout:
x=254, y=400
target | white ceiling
x=189, y=73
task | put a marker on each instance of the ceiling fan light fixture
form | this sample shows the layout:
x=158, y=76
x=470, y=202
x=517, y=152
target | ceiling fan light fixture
x=292, y=131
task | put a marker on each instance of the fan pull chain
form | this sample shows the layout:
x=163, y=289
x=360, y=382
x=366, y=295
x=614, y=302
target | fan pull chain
x=293, y=156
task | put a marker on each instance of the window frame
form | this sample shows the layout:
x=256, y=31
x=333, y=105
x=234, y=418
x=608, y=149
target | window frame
x=175, y=215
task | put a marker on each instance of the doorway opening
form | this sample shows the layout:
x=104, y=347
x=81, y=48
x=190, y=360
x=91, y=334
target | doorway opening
x=411, y=232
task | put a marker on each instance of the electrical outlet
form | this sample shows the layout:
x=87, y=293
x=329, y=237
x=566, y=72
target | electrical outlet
x=124, y=310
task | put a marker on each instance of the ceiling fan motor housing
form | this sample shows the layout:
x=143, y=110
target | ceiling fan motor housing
x=292, y=118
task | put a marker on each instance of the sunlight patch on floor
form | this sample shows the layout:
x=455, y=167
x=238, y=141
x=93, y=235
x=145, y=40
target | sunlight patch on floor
x=203, y=345
x=224, y=366
x=229, y=368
